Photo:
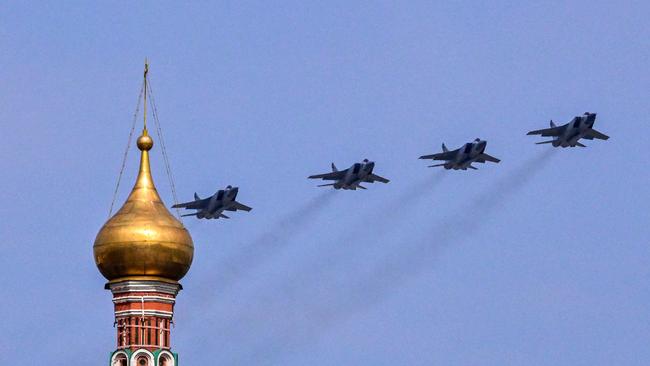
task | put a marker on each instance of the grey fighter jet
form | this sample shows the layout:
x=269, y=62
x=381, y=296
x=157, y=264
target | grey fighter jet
x=580, y=127
x=352, y=177
x=213, y=207
x=463, y=157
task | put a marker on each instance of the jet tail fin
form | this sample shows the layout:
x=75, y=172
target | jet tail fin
x=444, y=148
x=334, y=169
x=196, y=196
x=553, y=124
x=544, y=142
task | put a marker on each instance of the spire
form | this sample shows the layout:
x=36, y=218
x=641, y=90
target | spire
x=144, y=188
x=143, y=239
x=146, y=72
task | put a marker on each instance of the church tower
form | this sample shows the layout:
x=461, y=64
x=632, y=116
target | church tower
x=143, y=251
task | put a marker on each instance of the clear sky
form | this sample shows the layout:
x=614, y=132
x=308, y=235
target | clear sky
x=541, y=259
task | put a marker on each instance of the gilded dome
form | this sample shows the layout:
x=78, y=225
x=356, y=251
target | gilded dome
x=143, y=239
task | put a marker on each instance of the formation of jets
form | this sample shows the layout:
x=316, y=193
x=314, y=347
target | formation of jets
x=567, y=135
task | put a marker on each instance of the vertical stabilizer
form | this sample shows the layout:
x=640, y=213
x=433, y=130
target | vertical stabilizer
x=444, y=148
x=334, y=168
x=196, y=196
x=553, y=124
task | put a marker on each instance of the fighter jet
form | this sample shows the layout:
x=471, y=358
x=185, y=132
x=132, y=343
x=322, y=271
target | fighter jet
x=580, y=127
x=352, y=177
x=463, y=157
x=213, y=207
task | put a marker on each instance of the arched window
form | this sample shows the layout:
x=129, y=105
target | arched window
x=142, y=358
x=119, y=360
x=165, y=360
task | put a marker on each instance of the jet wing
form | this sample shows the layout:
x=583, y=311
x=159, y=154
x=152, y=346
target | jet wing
x=485, y=157
x=592, y=134
x=238, y=206
x=329, y=176
x=448, y=155
x=553, y=131
x=194, y=205
x=375, y=178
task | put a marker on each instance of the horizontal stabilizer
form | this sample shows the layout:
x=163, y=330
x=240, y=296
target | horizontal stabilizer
x=375, y=178
x=433, y=166
x=472, y=167
x=326, y=185
x=192, y=214
x=223, y=216
x=544, y=142
x=595, y=134
x=580, y=144
x=362, y=187
x=241, y=206
x=486, y=157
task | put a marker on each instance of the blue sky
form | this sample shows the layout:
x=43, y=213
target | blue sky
x=541, y=259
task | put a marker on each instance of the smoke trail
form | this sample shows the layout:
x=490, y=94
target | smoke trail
x=391, y=210
x=374, y=224
x=238, y=266
x=398, y=267
x=298, y=314
x=270, y=243
x=297, y=300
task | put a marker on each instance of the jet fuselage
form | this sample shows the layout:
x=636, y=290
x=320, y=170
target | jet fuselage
x=354, y=176
x=466, y=155
x=219, y=202
x=576, y=129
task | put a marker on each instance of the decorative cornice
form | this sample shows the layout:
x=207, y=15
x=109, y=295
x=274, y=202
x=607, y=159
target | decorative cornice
x=145, y=312
x=143, y=286
x=145, y=298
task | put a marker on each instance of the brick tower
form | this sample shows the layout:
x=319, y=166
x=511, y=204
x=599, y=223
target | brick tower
x=143, y=251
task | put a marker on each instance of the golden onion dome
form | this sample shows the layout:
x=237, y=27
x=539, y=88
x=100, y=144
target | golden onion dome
x=143, y=239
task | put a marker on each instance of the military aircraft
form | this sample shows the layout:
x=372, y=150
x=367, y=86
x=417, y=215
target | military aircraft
x=463, y=157
x=213, y=207
x=352, y=177
x=580, y=127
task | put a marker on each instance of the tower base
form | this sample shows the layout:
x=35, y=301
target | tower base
x=144, y=312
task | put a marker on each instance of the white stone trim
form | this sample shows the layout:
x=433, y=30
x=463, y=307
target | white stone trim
x=169, y=355
x=140, y=313
x=144, y=286
x=117, y=354
x=139, y=352
x=147, y=298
